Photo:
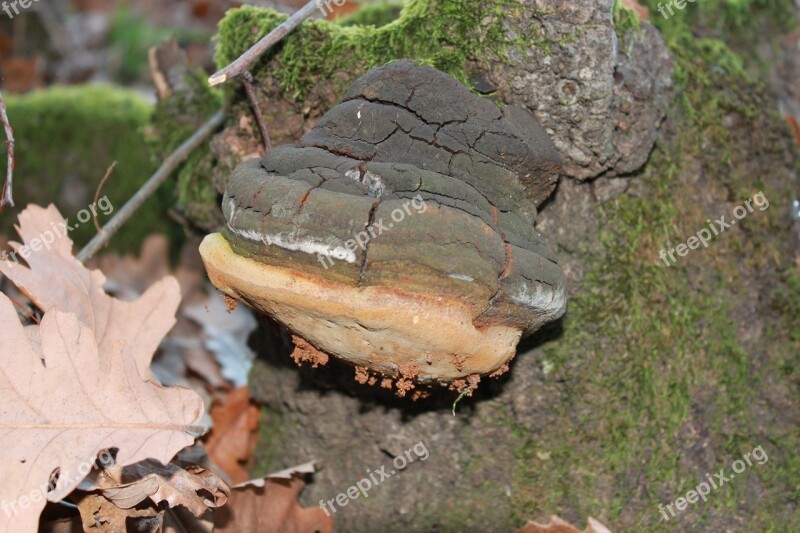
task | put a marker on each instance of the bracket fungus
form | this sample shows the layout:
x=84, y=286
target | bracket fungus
x=399, y=234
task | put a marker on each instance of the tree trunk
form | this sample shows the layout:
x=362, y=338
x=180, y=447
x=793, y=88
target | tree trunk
x=661, y=371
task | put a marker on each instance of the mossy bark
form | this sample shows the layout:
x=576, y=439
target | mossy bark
x=307, y=74
x=656, y=376
x=311, y=69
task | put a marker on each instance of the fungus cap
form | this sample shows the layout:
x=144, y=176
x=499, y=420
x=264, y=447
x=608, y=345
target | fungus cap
x=399, y=233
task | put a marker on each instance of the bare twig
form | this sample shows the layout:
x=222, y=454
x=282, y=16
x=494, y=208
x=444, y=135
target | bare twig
x=152, y=184
x=247, y=79
x=7, y=198
x=239, y=67
x=97, y=194
x=243, y=62
x=27, y=313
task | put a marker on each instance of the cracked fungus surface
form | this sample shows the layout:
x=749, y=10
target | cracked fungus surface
x=405, y=219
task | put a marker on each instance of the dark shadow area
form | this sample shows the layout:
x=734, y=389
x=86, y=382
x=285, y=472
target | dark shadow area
x=272, y=342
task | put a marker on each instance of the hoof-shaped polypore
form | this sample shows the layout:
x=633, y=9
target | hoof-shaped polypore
x=399, y=234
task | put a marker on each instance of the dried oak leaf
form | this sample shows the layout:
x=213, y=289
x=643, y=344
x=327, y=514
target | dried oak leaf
x=182, y=352
x=56, y=278
x=232, y=437
x=271, y=505
x=100, y=515
x=65, y=401
x=557, y=525
x=195, y=488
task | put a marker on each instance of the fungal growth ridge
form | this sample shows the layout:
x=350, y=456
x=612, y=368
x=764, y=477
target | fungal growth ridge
x=400, y=232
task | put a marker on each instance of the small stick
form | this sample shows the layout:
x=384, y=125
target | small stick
x=24, y=309
x=243, y=62
x=170, y=163
x=97, y=194
x=247, y=79
x=7, y=198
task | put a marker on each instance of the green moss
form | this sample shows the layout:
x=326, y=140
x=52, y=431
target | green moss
x=651, y=349
x=373, y=15
x=66, y=137
x=788, y=302
x=696, y=34
x=645, y=351
x=625, y=19
x=442, y=34
x=175, y=119
x=272, y=428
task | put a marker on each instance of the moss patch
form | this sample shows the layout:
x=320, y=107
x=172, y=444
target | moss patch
x=442, y=34
x=66, y=137
x=625, y=19
x=175, y=119
x=661, y=387
x=310, y=70
x=373, y=15
x=272, y=427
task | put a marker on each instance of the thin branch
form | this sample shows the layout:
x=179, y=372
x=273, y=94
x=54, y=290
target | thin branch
x=97, y=194
x=7, y=198
x=24, y=308
x=243, y=62
x=247, y=79
x=170, y=163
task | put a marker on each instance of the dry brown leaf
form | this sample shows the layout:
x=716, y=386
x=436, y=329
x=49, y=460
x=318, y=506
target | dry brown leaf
x=100, y=515
x=179, y=520
x=56, y=278
x=231, y=440
x=191, y=488
x=272, y=508
x=112, y=502
x=64, y=402
x=185, y=349
x=557, y=525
